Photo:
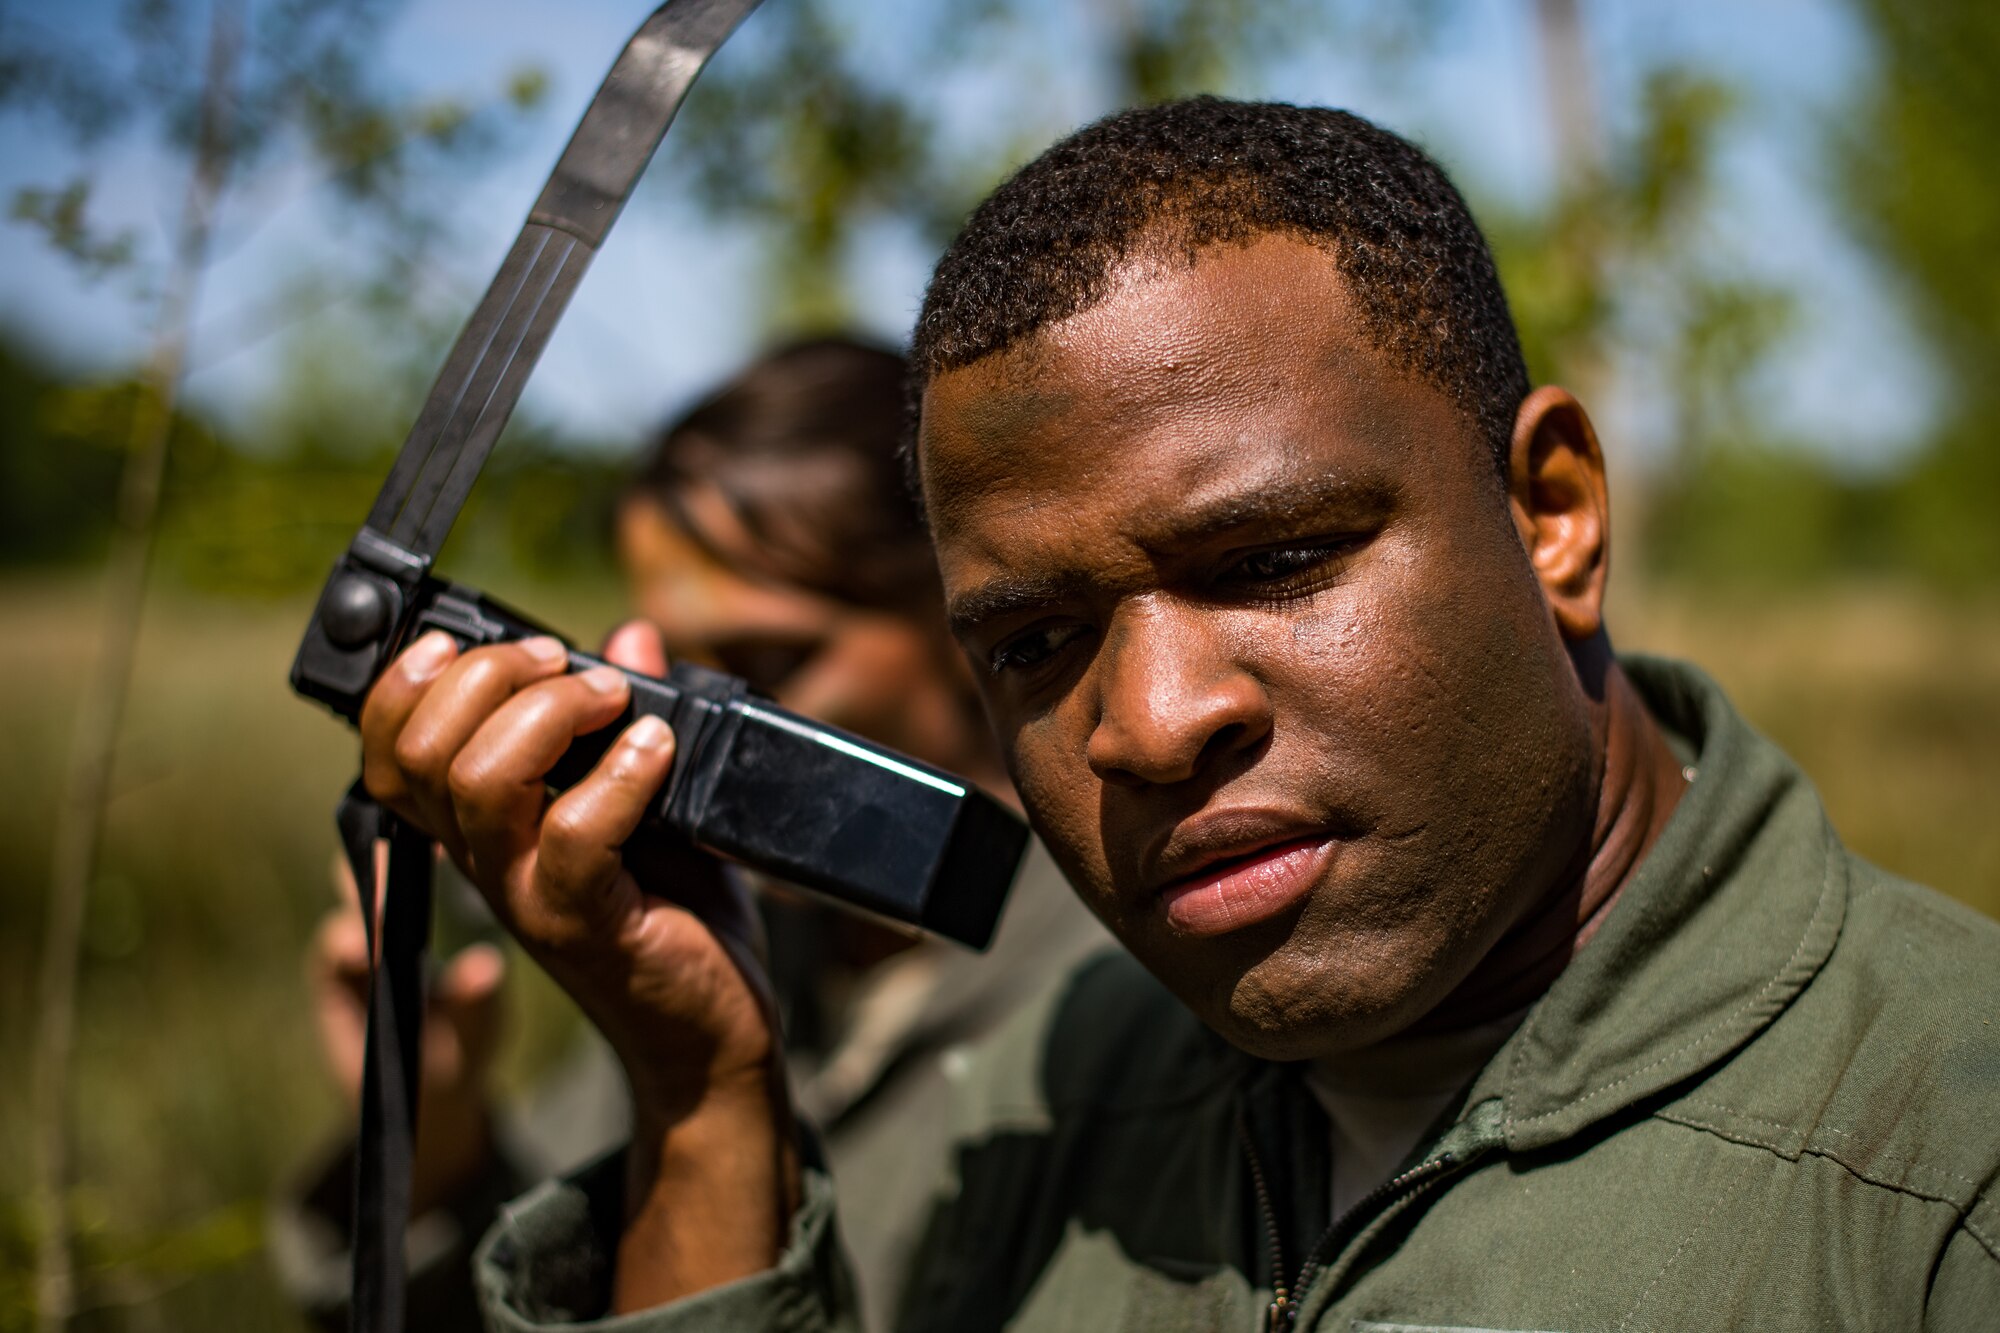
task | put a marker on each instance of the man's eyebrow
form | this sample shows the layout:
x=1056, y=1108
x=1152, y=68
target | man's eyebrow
x=1262, y=501
x=1006, y=596
x=1235, y=508
x=1280, y=498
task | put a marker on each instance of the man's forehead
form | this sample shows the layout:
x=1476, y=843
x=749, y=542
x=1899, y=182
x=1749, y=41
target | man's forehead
x=1188, y=353
x=1169, y=321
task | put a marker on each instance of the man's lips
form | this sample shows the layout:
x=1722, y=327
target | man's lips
x=1231, y=893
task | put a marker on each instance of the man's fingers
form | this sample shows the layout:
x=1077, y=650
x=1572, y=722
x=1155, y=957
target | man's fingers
x=585, y=828
x=496, y=781
x=636, y=646
x=450, y=711
x=388, y=707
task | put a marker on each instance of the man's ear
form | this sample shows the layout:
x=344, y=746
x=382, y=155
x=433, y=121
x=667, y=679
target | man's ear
x=1561, y=507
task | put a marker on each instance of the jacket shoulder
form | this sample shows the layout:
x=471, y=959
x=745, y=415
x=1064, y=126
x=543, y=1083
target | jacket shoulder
x=1888, y=1063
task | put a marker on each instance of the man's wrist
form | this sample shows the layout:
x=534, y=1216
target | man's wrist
x=709, y=1195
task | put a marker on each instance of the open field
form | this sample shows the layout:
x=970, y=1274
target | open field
x=198, y=1084
x=1890, y=701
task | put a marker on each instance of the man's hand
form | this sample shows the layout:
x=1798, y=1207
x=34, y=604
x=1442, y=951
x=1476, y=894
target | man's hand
x=459, y=745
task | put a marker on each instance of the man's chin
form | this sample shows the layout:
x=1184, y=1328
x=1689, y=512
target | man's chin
x=1286, y=1035
x=1295, y=1004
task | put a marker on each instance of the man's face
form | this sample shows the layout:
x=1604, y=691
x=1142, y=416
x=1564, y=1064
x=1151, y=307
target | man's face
x=1271, y=668
x=889, y=677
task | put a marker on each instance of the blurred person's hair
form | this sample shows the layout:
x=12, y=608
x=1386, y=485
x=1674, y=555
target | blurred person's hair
x=1161, y=183
x=802, y=447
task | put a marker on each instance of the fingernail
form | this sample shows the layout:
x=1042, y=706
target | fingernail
x=604, y=679
x=427, y=656
x=546, y=649
x=648, y=733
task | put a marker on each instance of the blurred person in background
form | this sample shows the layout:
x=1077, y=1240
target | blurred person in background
x=770, y=534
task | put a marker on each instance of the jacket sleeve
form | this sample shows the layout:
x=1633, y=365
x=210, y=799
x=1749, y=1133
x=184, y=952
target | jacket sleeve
x=547, y=1263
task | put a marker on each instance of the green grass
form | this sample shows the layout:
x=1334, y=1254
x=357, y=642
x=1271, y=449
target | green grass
x=197, y=1079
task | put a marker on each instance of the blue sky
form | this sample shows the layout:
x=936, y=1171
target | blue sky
x=669, y=305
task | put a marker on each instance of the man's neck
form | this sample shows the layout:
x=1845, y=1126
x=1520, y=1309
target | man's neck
x=1640, y=783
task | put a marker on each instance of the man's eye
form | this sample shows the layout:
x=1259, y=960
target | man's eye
x=1025, y=651
x=1282, y=563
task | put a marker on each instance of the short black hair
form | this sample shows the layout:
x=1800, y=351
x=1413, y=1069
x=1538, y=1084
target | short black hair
x=1169, y=180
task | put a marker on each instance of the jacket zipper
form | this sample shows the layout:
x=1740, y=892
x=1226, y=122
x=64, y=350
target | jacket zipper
x=1281, y=1305
x=1284, y=1307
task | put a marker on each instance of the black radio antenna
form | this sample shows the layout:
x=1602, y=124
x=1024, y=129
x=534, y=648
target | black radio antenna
x=376, y=588
x=482, y=379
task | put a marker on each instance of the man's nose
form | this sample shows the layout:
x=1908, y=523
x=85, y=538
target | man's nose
x=1171, y=699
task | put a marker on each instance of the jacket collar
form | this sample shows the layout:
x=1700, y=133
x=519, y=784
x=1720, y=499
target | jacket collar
x=1727, y=919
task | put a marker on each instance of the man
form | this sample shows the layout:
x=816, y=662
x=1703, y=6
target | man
x=1476, y=978
x=770, y=534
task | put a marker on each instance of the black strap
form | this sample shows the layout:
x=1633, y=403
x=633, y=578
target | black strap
x=468, y=406
x=390, y=1070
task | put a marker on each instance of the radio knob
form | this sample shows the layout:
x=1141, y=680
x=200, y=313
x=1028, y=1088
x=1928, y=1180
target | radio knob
x=355, y=612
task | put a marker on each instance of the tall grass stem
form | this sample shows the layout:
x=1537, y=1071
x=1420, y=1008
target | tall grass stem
x=100, y=714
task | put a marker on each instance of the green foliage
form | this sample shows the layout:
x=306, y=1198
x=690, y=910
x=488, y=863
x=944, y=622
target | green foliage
x=198, y=1081
x=1763, y=514
x=57, y=484
x=1757, y=514
x=1916, y=171
x=307, y=90
x=1913, y=158
x=1619, y=261
x=1158, y=50
x=808, y=148
x=1916, y=162
x=1943, y=519
x=119, y=1266
x=1621, y=271
x=60, y=215
x=296, y=82
x=17, y=1265
x=793, y=135
x=264, y=515
x=527, y=87
x=1623, y=264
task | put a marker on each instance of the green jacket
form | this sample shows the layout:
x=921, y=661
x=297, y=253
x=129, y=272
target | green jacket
x=1766, y=1096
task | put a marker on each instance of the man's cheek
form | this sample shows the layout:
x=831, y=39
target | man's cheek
x=1061, y=795
x=1363, y=672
